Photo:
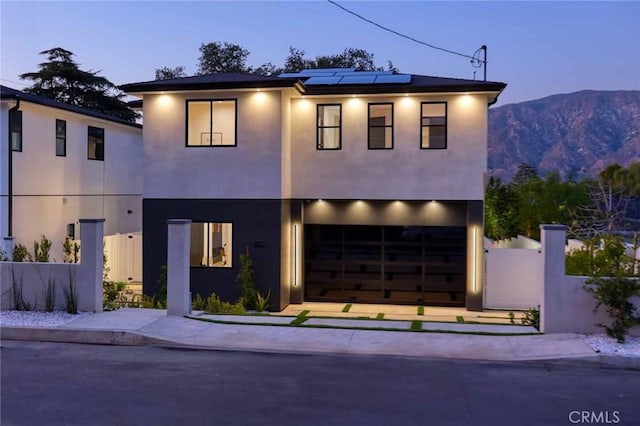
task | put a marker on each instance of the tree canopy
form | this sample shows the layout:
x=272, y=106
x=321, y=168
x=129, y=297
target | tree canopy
x=61, y=79
x=217, y=57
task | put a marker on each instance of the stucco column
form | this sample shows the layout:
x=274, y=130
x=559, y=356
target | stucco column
x=178, y=248
x=90, y=273
x=552, y=240
x=7, y=246
x=475, y=256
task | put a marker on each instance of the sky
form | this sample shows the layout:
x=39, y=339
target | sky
x=538, y=48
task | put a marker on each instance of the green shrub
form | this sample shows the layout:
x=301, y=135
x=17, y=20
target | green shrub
x=262, y=302
x=71, y=251
x=217, y=306
x=21, y=254
x=532, y=317
x=41, y=249
x=615, y=293
x=198, y=303
x=247, y=282
x=113, y=296
x=3, y=256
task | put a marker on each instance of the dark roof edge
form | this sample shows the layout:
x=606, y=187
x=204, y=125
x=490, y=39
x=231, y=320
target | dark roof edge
x=161, y=87
x=14, y=94
x=402, y=88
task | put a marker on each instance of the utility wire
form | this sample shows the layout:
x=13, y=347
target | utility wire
x=11, y=81
x=473, y=58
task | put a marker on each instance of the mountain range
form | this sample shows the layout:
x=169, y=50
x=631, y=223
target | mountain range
x=577, y=133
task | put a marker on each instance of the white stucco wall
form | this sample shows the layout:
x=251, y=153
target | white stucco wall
x=4, y=167
x=406, y=171
x=512, y=278
x=252, y=169
x=50, y=192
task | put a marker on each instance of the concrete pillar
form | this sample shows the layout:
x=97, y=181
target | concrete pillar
x=178, y=248
x=90, y=273
x=475, y=256
x=7, y=246
x=552, y=240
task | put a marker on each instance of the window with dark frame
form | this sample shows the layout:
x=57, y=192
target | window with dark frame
x=61, y=138
x=329, y=126
x=211, y=122
x=211, y=244
x=433, y=125
x=15, y=129
x=95, y=143
x=380, y=126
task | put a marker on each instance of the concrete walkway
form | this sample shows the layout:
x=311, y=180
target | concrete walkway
x=148, y=326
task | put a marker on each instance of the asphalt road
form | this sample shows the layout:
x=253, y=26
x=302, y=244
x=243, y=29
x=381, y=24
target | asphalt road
x=67, y=384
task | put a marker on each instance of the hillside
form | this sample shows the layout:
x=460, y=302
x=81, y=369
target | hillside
x=579, y=132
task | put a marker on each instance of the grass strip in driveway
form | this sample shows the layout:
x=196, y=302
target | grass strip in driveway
x=380, y=316
x=420, y=310
x=346, y=307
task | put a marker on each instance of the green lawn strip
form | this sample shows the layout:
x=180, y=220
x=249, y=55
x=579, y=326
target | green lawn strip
x=303, y=313
x=380, y=316
x=460, y=318
x=416, y=325
x=420, y=310
x=299, y=320
x=418, y=330
x=346, y=307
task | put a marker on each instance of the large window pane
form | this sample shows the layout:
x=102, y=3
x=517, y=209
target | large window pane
x=61, y=138
x=15, y=129
x=380, y=126
x=211, y=245
x=329, y=126
x=433, y=130
x=211, y=123
x=95, y=145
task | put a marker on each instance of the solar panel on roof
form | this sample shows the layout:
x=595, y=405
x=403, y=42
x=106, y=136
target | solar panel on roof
x=288, y=75
x=374, y=73
x=357, y=79
x=395, y=78
x=324, y=71
x=322, y=80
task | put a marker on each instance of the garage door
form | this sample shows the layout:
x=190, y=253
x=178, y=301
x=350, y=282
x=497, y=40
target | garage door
x=385, y=264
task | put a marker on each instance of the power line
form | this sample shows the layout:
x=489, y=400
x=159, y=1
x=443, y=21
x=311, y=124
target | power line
x=473, y=58
x=15, y=82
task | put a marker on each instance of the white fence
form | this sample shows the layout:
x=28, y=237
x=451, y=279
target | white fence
x=512, y=278
x=124, y=257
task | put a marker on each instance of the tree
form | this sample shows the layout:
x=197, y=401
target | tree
x=359, y=59
x=166, y=73
x=61, y=79
x=222, y=57
x=525, y=173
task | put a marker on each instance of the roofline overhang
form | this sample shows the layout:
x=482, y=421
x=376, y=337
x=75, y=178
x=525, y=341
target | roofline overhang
x=69, y=108
x=150, y=87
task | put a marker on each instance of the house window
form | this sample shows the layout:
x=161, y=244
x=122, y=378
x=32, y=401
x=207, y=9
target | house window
x=61, y=138
x=95, y=145
x=15, y=129
x=211, y=244
x=211, y=123
x=433, y=128
x=381, y=126
x=329, y=127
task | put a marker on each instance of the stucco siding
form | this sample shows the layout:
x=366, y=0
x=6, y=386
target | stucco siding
x=404, y=172
x=252, y=169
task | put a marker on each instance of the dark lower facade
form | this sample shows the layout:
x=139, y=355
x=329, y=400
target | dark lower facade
x=418, y=252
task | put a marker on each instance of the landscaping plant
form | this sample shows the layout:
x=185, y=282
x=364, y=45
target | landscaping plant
x=247, y=282
x=216, y=306
x=262, y=302
x=531, y=317
x=614, y=293
x=41, y=249
x=21, y=254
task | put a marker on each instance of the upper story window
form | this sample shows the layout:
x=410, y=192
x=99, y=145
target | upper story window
x=433, y=128
x=95, y=145
x=211, y=122
x=329, y=123
x=381, y=126
x=61, y=138
x=15, y=129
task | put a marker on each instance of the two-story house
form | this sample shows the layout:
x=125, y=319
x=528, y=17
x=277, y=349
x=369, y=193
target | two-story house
x=342, y=185
x=60, y=163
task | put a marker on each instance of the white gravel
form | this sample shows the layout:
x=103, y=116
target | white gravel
x=606, y=345
x=37, y=319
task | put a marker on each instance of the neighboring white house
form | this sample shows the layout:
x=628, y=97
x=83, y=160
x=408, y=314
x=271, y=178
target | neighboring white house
x=343, y=185
x=60, y=163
